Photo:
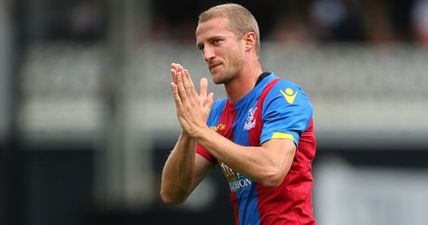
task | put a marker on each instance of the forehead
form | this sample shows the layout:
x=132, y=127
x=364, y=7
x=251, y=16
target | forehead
x=214, y=27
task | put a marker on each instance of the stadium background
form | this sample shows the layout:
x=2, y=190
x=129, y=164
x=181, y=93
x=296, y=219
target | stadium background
x=86, y=118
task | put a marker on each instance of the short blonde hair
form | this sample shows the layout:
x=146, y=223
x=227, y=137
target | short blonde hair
x=241, y=20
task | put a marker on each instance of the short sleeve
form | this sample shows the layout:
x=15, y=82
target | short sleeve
x=286, y=113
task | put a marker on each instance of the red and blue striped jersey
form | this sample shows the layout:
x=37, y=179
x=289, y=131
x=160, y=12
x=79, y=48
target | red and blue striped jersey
x=273, y=109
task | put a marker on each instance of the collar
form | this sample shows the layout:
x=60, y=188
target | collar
x=262, y=76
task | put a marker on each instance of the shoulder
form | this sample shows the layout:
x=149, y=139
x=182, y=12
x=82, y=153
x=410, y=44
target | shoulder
x=286, y=110
x=289, y=92
x=284, y=84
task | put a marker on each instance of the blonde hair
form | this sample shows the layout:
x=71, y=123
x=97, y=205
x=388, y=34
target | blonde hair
x=241, y=20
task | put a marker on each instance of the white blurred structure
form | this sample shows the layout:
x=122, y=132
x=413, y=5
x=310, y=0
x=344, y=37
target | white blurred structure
x=350, y=195
x=378, y=95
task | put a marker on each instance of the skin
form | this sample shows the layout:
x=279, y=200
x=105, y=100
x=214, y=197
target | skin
x=233, y=62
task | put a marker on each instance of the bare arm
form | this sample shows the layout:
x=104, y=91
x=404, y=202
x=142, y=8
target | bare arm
x=268, y=164
x=183, y=171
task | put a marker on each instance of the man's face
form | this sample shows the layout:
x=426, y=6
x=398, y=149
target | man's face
x=221, y=49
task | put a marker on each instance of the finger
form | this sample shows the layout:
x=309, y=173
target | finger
x=203, y=87
x=189, y=78
x=174, y=67
x=175, y=95
x=210, y=100
x=180, y=87
x=177, y=67
x=173, y=75
x=188, y=83
x=180, y=67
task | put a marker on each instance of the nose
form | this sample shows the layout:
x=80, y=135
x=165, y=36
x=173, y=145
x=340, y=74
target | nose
x=208, y=54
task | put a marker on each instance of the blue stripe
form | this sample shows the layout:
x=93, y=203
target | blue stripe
x=248, y=205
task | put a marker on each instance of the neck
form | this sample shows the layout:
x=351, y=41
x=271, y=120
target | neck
x=243, y=83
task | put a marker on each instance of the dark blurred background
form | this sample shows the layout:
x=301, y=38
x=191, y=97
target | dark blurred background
x=318, y=21
x=86, y=118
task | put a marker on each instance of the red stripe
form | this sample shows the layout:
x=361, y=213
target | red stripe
x=257, y=130
x=203, y=152
x=234, y=200
x=224, y=128
x=228, y=119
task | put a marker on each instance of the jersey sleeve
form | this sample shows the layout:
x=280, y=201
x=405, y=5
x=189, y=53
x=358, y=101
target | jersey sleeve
x=286, y=113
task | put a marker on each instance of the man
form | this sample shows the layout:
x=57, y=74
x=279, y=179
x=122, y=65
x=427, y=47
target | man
x=261, y=136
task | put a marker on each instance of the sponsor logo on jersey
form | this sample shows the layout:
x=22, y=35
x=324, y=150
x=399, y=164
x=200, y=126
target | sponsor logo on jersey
x=250, y=122
x=243, y=182
x=219, y=127
x=228, y=172
x=236, y=180
x=289, y=95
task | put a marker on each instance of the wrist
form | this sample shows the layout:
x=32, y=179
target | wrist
x=201, y=133
x=186, y=141
x=185, y=136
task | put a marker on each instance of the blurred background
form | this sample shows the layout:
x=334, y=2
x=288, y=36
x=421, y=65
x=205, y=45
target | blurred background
x=87, y=121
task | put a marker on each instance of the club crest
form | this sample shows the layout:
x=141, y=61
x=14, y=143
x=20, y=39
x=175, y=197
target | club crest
x=250, y=122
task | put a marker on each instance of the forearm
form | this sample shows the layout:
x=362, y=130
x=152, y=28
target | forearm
x=183, y=170
x=178, y=171
x=266, y=166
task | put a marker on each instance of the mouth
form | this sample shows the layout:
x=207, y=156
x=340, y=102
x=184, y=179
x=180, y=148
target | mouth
x=213, y=66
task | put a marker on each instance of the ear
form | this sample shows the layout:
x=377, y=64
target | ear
x=250, y=41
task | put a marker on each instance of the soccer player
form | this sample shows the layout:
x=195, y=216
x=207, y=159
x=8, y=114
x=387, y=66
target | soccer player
x=261, y=136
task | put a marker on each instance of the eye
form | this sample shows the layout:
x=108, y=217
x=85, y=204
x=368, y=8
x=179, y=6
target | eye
x=201, y=48
x=216, y=41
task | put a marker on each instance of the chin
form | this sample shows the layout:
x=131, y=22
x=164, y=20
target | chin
x=218, y=81
x=221, y=77
x=222, y=80
x=215, y=77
